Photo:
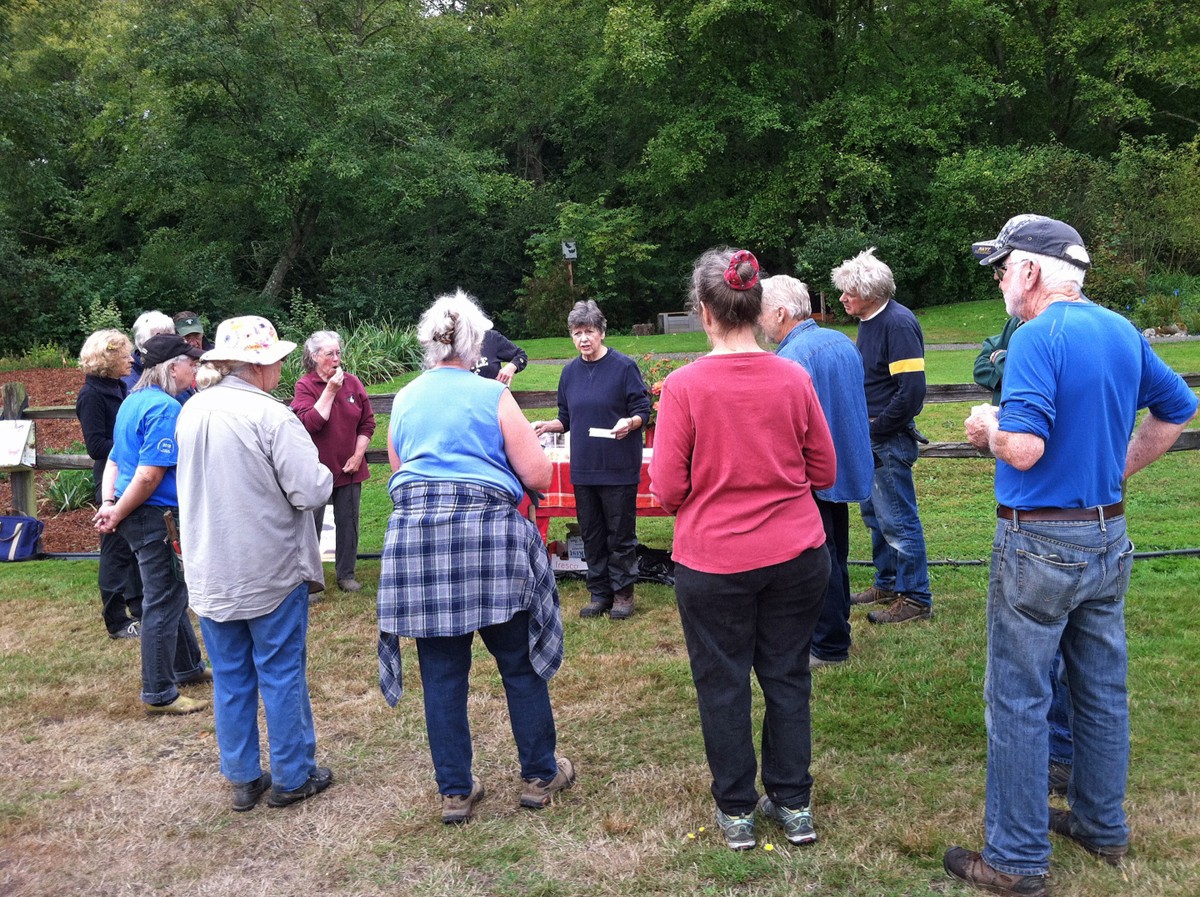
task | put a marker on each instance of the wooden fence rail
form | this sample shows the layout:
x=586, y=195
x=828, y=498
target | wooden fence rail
x=25, y=500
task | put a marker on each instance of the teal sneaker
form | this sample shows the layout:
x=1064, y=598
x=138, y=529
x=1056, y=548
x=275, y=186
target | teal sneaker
x=738, y=830
x=797, y=824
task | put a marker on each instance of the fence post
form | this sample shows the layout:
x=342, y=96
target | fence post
x=24, y=498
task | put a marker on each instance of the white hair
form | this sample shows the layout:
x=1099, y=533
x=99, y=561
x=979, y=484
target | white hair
x=866, y=277
x=453, y=328
x=148, y=324
x=788, y=293
x=1055, y=272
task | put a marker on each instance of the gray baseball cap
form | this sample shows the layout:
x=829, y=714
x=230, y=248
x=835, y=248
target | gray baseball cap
x=1037, y=234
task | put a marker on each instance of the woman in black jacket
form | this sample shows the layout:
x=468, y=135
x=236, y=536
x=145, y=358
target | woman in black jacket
x=106, y=356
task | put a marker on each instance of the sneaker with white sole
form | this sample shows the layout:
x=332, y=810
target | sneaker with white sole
x=797, y=824
x=738, y=830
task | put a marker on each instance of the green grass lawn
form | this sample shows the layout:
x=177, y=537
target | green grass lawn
x=97, y=799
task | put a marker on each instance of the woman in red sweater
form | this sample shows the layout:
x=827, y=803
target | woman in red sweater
x=334, y=408
x=741, y=445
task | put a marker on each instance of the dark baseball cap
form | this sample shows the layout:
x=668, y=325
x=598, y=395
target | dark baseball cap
x=166, y=346
x=188, y=324
x=1037, y=234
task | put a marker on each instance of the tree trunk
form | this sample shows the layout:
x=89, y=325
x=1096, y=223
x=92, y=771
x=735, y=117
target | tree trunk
x=304, y=222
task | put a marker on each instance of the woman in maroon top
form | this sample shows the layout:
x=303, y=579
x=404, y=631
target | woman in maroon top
x=334, y=408
x=741, y=445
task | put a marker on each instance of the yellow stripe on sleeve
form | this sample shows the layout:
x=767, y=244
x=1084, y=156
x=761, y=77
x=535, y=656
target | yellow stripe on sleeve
x=906, y=366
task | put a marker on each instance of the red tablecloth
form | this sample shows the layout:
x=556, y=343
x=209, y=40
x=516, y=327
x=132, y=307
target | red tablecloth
x=560, y=497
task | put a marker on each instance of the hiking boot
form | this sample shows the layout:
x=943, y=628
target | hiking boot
x=622, y=608
x=133, y=629
x=349, y=585
x=874, y=595
x=901, y=611
x=797, y=824
x=969, y=866
x=738, y=830
x=538, y=792
x=1059, y=777
x=598, y=607
x=458, y=808
x=1060, y=824
x=178, y=707
x=246, y=794
x=317, y=782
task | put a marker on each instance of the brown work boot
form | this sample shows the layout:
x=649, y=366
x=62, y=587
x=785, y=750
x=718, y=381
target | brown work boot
x=622, y=608
x=1060, y=824
x=874, y=595
x=969, y=866
x=901, y=611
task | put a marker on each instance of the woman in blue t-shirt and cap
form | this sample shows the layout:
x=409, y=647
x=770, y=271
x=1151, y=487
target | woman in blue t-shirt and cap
x=137, y=492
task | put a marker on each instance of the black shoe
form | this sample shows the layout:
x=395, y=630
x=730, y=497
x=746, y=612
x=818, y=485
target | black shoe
x=132, y=629
x=1060, y=824
x=1059, y=778
x=246, y=794
x=595, y=608
x=317, y=782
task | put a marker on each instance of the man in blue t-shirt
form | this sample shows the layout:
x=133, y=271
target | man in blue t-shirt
x=893, y=353
x=1075, y=376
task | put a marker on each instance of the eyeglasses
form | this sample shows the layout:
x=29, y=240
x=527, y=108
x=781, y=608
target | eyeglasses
x=998, y=271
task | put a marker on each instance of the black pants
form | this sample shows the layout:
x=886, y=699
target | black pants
x=831, y=640
x=608, y=523
x=760, y=620
x=119, y=580
x=345, y=500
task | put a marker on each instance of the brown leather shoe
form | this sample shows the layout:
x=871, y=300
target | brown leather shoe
x=970, y=867
x=622, y=608
x=459, y=808
x=901, y=611
x=874, y=595
x=1060, y=824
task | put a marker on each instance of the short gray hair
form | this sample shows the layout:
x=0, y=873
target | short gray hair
x=587, y=314
x=453, y=327
x=148, y=324
x=788, y=293
x=866, y=277
x=1055, y=272
x=308, y=357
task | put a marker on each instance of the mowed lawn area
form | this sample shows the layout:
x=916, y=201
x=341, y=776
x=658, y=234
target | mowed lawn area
x=98, y=799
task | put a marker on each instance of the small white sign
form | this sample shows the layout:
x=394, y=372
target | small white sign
x=16, y=444
x=570, y=253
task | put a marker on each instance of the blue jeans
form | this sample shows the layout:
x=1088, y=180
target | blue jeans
x=445, y=668
x=1055, y=584
x=266, y=656
x=760, y=620
x=1061, y=747
x=831, y=638
x=897, y=539
x=170, y=651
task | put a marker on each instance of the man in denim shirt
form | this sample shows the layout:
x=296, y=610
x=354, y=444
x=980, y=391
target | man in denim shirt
x=1075, y=377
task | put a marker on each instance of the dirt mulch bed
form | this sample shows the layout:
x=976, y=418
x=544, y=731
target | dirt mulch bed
x=69, y=530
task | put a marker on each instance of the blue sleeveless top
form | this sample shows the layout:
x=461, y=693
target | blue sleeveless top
x=446, y=426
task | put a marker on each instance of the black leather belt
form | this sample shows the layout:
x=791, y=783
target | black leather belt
x=1067, y=514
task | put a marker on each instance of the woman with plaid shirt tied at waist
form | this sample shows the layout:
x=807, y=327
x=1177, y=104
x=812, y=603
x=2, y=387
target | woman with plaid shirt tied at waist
x=458, y=559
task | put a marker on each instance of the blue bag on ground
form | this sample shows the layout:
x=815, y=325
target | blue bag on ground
x=20, y=538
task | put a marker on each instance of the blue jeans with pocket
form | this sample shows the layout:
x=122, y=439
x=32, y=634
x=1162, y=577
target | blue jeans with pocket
x=170, y=650
x=897, y=538
x=445, y=668
x=1055, y=583
x=264, y=656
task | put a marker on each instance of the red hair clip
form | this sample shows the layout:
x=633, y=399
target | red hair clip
x=731, y=273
